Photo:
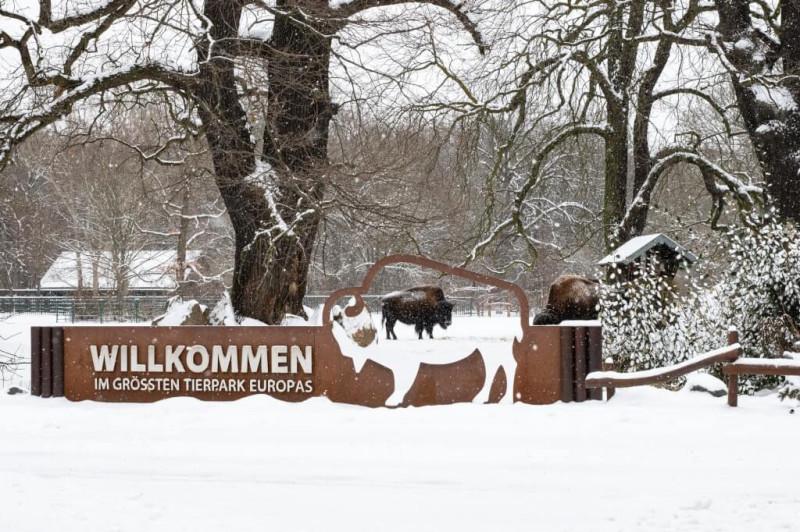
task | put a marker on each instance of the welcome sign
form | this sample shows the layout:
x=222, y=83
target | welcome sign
x=148, y=364
x=145, y=364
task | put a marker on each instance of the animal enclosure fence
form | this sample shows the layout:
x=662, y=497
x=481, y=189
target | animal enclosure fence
x=144, y=308
x=70, y=310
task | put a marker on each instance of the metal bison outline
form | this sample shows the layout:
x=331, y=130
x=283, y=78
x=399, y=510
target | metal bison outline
x=526, y=369
x=530, y=367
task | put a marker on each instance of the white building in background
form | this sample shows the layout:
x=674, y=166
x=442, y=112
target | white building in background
x=144, y=272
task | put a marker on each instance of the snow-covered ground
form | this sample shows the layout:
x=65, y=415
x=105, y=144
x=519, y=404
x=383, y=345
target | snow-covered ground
x=648, y=460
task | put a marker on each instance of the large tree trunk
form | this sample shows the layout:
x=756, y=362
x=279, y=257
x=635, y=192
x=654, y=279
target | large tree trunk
x=771, y=114
x=296, y=148
x=274, y=207
x=642, y=158
x=626, y=23
x=616, y=176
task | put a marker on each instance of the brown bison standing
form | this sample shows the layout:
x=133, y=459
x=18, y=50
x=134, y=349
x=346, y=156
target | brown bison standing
x=421, y=306
x=571, y=298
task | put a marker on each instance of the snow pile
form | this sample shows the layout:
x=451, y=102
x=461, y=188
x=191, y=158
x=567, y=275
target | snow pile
x=293, y=320
x=180, y=312
x=314, y=318
x=703, y=382
x=223, y=313
x=360, y=328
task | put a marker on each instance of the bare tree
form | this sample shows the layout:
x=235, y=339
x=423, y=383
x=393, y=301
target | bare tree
x=582, y=75
x=29, y=225
x=274, y=202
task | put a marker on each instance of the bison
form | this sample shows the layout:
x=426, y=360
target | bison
x=571, y=298
x=421, y=306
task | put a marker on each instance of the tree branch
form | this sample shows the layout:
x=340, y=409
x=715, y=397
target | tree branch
x=746, y=195
x=14, y=129
x=357, y=6
x=115, y=8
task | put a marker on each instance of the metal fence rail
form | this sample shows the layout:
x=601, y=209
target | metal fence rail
x=145, y=308
x=463, y=306
x=67, y=309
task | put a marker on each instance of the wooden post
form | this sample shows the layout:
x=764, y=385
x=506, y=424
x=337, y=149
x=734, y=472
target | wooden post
x=733, y=390
x=581, y=363
x=36, y=361
x=733, y=380
x=46, y=350
x=57, y=346
x=567, y=364
x=608, y=365
x=595, y=358
x=733, y=336
x=508, y=306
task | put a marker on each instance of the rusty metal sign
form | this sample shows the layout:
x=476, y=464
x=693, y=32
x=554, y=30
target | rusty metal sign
x=144, y=364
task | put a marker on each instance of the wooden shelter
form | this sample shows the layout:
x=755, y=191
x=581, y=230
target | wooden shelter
x=658, y=250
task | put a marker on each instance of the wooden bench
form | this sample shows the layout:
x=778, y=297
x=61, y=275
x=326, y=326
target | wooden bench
x=756, y=366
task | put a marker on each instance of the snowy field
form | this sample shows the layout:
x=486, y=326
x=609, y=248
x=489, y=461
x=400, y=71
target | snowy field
x=648, y=460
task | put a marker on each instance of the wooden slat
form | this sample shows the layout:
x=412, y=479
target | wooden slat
x=595, y=359
x=36, y=361
x=581, y=362
x=58, y=361
x=733, y=381
x=567, y=364
x=47, y=362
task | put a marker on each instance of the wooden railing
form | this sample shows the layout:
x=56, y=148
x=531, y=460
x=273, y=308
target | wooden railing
x=613, y=379
x=733, y=367
x=756, y=366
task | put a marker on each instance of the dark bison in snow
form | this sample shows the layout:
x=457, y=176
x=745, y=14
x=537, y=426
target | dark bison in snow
x=571, y=298
x=422, y=306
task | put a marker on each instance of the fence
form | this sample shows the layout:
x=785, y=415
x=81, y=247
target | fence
x=67, y=309
x=145, y=308
x=462, y=306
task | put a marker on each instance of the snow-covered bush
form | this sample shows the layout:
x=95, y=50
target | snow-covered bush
x=647, y=324
x=763, y=294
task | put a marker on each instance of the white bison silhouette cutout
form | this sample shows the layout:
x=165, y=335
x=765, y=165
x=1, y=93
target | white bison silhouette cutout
x=403, y=358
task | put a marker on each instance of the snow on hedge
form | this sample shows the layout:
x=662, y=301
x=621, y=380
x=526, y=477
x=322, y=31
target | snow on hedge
x=648, y=324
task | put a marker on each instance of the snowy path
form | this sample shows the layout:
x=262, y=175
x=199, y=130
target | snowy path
x=650, y=460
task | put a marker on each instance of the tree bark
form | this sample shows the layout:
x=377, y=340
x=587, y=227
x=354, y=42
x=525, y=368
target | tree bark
x=296, y=148
x=274, y=208
x=642, y=159
x=771, y=113
x=626, y=23
x=183, y=237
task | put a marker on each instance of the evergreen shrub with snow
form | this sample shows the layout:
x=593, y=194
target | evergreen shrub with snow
x=647, y=324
